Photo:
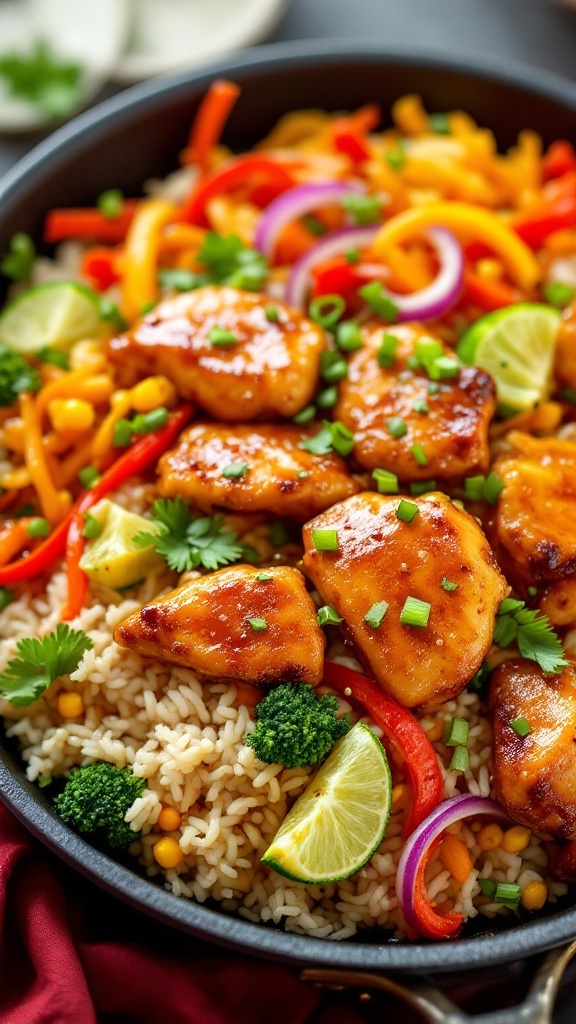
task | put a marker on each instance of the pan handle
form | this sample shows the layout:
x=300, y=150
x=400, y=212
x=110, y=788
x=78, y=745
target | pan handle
x=436, y=1008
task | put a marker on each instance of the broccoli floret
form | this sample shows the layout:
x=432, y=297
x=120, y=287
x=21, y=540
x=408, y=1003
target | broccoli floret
x=15, y=376
x=96, y=798
x=294, y=727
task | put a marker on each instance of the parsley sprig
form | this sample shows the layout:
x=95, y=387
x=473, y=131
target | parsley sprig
x=532, y=632
x=225, y=260
x=187, y=543
x=40, y=662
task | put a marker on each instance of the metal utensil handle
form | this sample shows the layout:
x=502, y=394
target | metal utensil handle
x=436, y=1008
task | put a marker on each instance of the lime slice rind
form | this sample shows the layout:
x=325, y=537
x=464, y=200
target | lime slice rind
x=515, y=345
x=338, y=823
x=51, y=315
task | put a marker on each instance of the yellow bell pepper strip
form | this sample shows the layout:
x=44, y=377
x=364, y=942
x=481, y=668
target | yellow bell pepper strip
x=471, y=223
x=55, y=504
x=140, y=266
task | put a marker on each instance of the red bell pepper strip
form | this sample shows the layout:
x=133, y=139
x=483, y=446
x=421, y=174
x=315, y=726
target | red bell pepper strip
x=558, y=160
x=349, y=133
x=407, y=735
x=99, y=265
x=89, y=223
x=353, y=145
x=241, y=171
x=212, y=114
x=487, y=293
x=556, y=212
x=432, y=924
x=338, y=277
x=145, y=451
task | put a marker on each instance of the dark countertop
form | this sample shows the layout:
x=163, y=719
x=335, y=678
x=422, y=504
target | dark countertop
x=536, y=32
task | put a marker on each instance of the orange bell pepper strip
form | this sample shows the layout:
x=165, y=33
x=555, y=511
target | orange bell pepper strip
x=213, y=112
x=240, y=172
x=14, y=538
x=89, y=223
x=140, y=263
x=487, y=293
x=407, y=735
x=144, y=452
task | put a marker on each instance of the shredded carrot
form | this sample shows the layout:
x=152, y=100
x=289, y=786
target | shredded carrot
x=455, y=857
x=68, y=469
x=120, y=405
x=14, y=538
x=139, y=283
x=213, y=112
x=55, y=504
x=410, y=116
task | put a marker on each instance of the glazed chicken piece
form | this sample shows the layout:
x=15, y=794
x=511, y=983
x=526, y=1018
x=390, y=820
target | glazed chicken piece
x=233, y=625
x=533, y=528
x=259, y=369
x=274, y=474
x=380, y=557
x=454, y=431
x=536, y=774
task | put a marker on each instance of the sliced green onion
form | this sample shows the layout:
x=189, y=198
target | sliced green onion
x=328, y=616
x=474, y=487
x=386, y=482
x=531, y=590
x=395, y=158
x=313, y=225
x=272, y=314
x=305, y=415
x=54, y=357
x=235, y=470
x=109, y=311
x=110, y=203
x=145, y=423
x=352, y=256
x=422, y=407
x=493, y=488
x=38, y=527
x=260, y=625
x=122, y=433
x=89, y=476
x=413, y=363
x=558, y=294
x=415, y=612
x=396, y=426
x=521, y=726
x=509, y=894
x=326, y=310
x=439, y=124
x=443, y=368
x=419, y=454
x=373, y=293
x=428, y=349
x=222, y=338
x=263, y=577
x=327, y=398
x=6, y=598
x=456, y=732
x=92, y=527
x=460, y=760
x=333, y=367
x=325, y=540
x=364, y=209
x=278, y=534
x=387, y=350
x=375, y=615
x=448, y=585
x=177, y=279
x=433, y=388
x=488, y=887
x=418, y=487
x=348, y=336
x=407, y=511
x=342, y=438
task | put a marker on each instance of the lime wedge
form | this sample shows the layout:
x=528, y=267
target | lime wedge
x=340, y=820
x=515, y=346
x=52, y=315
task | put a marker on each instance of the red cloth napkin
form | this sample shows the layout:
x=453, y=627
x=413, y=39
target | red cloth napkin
x=70, y=954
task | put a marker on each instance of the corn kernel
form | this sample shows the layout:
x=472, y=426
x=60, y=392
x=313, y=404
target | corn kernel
x=534, y=896
x=169, y=819
x=167, y=853
x=490, y=837
x=400, y=794
x=71, y=414
x=152, y=392
x=516, y=839
x=70, y=705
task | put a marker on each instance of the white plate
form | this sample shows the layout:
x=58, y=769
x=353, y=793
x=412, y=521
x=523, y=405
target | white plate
x=172, y=34
x=91, y=33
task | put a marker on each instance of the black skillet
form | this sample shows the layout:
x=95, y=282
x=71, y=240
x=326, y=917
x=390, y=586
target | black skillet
x=138, y=135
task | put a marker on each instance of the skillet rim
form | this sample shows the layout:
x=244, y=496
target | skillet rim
x=28, y=803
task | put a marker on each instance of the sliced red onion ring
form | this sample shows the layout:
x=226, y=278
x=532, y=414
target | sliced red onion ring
x=334, y=244
x=416, y=846
x=295, y=203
